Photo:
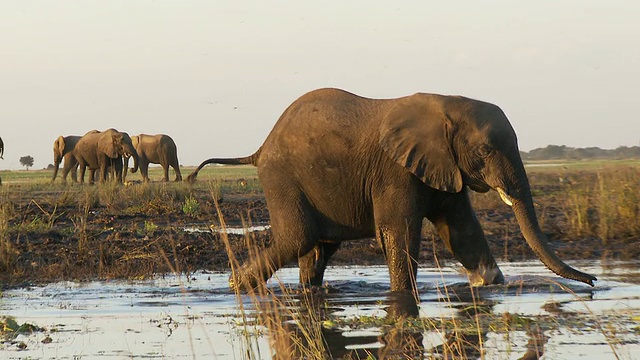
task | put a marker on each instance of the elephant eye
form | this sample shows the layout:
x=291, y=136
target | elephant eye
x=484, y=150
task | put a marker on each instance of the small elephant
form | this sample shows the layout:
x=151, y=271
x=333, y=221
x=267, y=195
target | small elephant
x=102, y=150
x=63, y=149
x=337, y=166
x=155, y=149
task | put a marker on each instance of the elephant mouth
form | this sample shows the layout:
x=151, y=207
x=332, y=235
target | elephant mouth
x=504, y=196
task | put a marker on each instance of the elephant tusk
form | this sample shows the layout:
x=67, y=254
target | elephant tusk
x=504, y=196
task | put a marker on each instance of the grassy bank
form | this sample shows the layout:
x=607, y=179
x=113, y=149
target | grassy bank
x=52, y=231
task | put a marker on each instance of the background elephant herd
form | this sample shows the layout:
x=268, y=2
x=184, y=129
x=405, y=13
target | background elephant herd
x=108, y=152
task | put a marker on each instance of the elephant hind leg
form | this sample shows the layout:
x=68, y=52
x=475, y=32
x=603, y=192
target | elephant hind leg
x=176, y=169
x=294, y=235
x=143, y=166
x=165, y=170
x=313, y=265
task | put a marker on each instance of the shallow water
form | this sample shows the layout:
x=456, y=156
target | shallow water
x=198, y=317
x=237, y=230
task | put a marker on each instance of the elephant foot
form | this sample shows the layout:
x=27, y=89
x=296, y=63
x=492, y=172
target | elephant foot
x=243, y=281
x=315, y=289
x=402, y=304
x=485, y=276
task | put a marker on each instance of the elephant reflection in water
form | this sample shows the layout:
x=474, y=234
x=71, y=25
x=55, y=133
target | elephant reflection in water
x=398, y=341
x=467, y=340
x=395, y=342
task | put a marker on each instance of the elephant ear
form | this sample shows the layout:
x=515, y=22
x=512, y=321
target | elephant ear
x=106, y=144
x=417, y=134
x=58, y=147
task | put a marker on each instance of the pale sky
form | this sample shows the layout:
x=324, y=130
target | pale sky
x=216, y=75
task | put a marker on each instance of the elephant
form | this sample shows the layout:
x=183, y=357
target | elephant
x=101, y=150
x=155, y=149
x=63, y=148
x=337, y=166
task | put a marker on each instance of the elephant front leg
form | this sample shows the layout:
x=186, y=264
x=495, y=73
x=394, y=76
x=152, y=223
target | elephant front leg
x=398, y=220
x=460, y=229
x=83, y=169
x=118, y=169
x=92, y=175
x=400, y=244
x=103, y=171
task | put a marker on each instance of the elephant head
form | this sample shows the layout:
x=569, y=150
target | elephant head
x=449, y=142
x=118, y=144
x=59, y=151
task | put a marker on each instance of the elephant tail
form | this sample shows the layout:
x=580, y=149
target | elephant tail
x=247, y=160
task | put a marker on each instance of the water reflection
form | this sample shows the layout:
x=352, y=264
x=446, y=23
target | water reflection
x=464, y=337
x=535, y=314
x=386, y=342
x=463, y=334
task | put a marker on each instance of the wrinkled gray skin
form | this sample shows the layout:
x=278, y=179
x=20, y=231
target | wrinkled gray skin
x=101, y=150
x=337, y=166
x=63, y=149
x=155, y=149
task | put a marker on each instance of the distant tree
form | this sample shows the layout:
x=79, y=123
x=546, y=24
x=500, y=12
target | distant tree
x=26, y=161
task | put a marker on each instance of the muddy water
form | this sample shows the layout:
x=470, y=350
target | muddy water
x=197, y=317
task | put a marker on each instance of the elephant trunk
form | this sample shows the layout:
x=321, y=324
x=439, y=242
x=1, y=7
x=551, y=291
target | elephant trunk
x=125, y=169
x=56, y=165
x=134, y=154
x=57, y=159
x=522, y=205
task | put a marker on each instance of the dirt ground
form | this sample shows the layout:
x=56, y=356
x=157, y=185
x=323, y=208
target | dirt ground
x=105, y=242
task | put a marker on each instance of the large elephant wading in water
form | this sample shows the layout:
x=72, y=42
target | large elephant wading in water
x=155, y=149
x=337, y=166
x=100, y=150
